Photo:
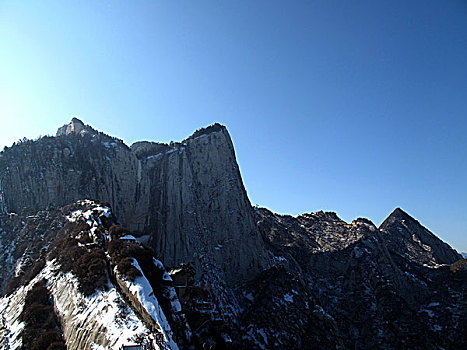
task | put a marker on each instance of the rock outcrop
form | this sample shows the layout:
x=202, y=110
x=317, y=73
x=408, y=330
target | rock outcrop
x=100, y=316
x=250, y=278
x=377, y=296
x=76, y=126
x=188, y=196
x=197, y=208
x=407, y=237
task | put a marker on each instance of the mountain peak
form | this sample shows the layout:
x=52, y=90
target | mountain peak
x=76, y=121
x=216, y=127
x=409, y=237
x=399, y=211
x=397, y=215
x=75, y=126
x=249, y=281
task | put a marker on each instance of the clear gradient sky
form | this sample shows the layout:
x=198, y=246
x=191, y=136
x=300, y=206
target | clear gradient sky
x=357, y=107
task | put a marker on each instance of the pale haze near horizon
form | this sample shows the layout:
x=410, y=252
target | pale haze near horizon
x=357, y=107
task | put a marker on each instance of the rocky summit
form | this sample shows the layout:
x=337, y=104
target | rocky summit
x=157, y=246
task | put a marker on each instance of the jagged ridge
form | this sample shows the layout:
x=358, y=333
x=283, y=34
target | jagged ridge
x=407, y=237
x=188, y=196
x=335, y=284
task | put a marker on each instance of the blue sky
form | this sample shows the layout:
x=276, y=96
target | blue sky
x=357, y=107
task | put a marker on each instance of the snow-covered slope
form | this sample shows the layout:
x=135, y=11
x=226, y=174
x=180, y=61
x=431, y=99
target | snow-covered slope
x=104, y=319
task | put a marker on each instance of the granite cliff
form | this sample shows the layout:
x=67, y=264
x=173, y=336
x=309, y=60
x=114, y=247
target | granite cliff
x=195, y=266
x=188, y=196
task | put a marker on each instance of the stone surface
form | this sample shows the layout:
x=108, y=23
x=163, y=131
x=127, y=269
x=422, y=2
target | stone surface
x=104, y=319
x=407, y=237
x=188, y=196
x=76, y=126
x=257, y=279
x=377, y=296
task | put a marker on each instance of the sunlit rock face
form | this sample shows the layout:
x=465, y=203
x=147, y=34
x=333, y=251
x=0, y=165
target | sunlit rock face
x=188, y=196
x=197, y=206
x=76, y=126
x=246, y=278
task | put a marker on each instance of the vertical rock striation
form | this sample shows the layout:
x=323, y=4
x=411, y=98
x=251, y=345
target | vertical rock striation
x=313, y=280
x=189, y=196
x=197, y=208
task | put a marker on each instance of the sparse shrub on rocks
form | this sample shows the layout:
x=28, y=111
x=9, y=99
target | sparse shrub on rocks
x=46, y=339
x=122, y=257
x=85, y=239
x=36, y=313
x=91, y=270
x=38, y=295
x=57, y=346
x=89, y=266
x=20, y=280
x=14, y=283
x=67, y=252
x=33, y=271
x=122, y=252
x=117, y=231
x=126, y=267
x=78, y=228
x=42, y=329
x=114, y=248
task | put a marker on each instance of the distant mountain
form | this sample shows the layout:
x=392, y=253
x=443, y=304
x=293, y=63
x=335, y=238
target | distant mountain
x=464, y=255
x=194, y=265
x=406, y=236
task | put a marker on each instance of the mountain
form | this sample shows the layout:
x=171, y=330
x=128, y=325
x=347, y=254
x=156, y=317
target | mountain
x=377, y=297
x=157, y=244
x=189, y=194
x=406, y=236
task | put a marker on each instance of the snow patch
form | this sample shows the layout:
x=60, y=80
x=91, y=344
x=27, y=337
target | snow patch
x=143, y=291
x=128, y=237
x=250, y=297
x=160, y=266
x=103, y=309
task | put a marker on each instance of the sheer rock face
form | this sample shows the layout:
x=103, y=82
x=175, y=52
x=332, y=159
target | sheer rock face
x=407, y=237
x=328, y=284
x=60, y=170
x=188, y=196
x=198, y=205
